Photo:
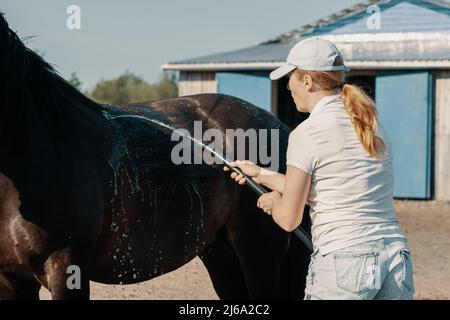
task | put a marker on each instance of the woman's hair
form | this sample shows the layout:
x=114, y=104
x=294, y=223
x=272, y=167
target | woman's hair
x=359, y=106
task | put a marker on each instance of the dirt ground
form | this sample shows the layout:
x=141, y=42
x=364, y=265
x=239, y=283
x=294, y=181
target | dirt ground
x=427, y=225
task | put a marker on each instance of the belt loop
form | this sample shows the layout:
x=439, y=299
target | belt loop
x=315, y=253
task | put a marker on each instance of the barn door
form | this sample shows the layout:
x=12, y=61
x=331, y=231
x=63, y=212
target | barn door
x=253, y=88
x=404, y=102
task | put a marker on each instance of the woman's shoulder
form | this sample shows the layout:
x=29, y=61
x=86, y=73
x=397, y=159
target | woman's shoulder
x=304, y=126
x=302, y=132
x=321, y=123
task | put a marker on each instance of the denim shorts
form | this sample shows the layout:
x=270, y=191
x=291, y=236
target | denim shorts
x=380, y=269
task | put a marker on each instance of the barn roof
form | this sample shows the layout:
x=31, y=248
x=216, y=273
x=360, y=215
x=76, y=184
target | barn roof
x=412, y=33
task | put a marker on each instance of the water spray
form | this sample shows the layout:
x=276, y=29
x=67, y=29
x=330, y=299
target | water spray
x=258, y=189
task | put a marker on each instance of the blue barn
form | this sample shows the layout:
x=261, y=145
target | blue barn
x=399, y=51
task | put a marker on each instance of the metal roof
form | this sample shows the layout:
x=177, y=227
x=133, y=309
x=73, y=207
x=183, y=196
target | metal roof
x=410, y=31
x=398, y=16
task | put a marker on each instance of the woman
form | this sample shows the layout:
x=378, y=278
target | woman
x=339, y=162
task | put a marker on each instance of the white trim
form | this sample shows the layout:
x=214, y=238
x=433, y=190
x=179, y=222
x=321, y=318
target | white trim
x=404, y=64
x=384, y=37
x=221, y=66
x=426, y=38
x=354, y=64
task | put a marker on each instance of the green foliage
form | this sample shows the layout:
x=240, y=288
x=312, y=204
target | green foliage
x=167, y=87
x=129, y=88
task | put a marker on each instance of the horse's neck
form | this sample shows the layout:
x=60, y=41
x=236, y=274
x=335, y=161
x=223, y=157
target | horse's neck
x=37, y=104
x=46, y=126
x=52, y=116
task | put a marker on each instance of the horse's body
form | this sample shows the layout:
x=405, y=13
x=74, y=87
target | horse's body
x=98, y=190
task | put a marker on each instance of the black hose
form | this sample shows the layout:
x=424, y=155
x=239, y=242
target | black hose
x=260, y=190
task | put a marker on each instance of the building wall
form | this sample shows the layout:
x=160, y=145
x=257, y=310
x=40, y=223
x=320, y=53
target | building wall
x=442, y=138
x=254, y=88
x=196, y=82
x=205, y=82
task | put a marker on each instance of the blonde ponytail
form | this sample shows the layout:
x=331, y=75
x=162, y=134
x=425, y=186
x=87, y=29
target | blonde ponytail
x=363, y=113
x=359, y=106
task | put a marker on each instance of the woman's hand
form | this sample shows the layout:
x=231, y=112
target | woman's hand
x=268, y=201
x=248, y=168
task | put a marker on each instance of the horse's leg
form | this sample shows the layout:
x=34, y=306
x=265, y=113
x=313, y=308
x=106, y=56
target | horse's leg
x=261, y=247
x=6, y=288
x=57, y=273
x=295, y=265
x=224, y=269
x=14, y=288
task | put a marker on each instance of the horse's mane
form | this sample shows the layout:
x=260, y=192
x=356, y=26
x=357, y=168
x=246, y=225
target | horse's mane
x=34, y=97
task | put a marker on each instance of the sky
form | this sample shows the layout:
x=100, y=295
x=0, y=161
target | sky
x=139, y=36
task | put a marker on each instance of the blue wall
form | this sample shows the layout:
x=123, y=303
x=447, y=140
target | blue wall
x=256, y=89
x=404, y=102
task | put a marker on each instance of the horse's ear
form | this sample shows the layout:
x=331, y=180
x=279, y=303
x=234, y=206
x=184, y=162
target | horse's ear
x=3, y=22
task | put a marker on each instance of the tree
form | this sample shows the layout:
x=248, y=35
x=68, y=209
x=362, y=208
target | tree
x=74, y=81
x=129, y=88
x=167, y=87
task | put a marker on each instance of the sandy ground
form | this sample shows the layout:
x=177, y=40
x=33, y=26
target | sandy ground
x=427, y=225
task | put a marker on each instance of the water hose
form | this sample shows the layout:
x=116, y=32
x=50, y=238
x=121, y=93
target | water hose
x=258, y=189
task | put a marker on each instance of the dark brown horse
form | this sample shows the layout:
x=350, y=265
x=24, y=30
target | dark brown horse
x=87, y=185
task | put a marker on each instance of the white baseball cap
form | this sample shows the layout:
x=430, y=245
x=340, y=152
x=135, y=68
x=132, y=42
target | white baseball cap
x=312, y=54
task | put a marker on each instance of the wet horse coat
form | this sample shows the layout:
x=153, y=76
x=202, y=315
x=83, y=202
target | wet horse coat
x=100, y=192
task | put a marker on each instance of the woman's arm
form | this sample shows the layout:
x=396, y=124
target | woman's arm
x=271, y=179
x=287, y=209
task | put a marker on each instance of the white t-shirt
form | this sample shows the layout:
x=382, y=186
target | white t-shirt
x=351, y=195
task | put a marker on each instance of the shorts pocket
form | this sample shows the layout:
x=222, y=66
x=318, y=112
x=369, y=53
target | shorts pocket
x=406, y=277
x=356, y=272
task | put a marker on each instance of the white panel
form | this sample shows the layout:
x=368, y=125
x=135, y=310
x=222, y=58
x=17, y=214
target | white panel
x=196, y=82
x=442, y=142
